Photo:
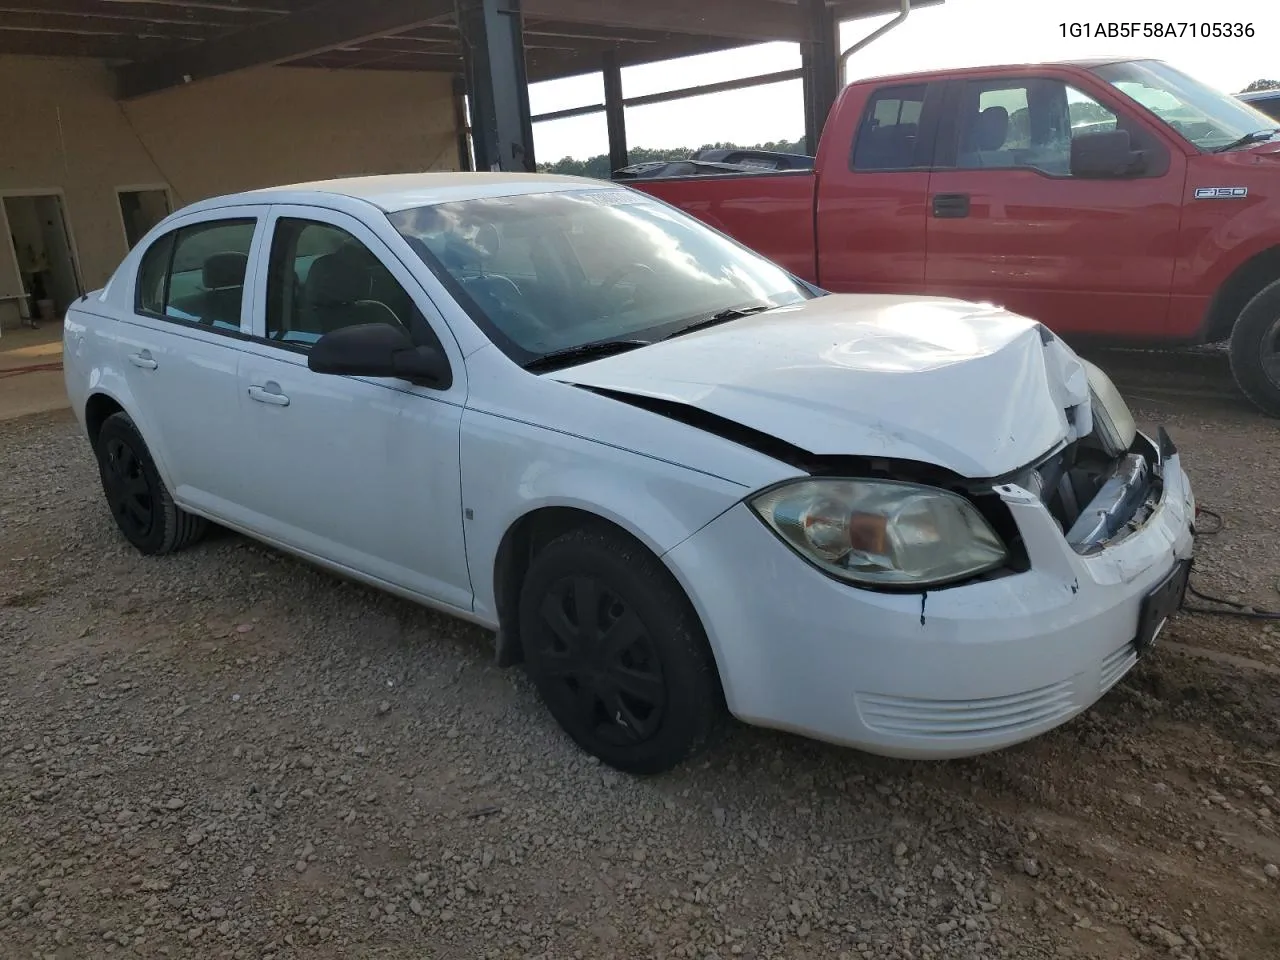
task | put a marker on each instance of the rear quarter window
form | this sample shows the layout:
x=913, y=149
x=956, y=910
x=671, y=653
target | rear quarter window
x=889, y=135
x=152, y=276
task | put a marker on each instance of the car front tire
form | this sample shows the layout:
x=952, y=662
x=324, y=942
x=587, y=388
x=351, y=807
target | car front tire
x=1255, y=350
x=142, y=506
x=617, y=653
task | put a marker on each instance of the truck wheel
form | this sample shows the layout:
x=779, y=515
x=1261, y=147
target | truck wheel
x=1255, y=350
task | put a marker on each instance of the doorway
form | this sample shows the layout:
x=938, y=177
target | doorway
x=42, y=250
x=141, y=208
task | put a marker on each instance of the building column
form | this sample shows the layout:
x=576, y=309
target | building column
x=492, y=36
x=820, y=64
x=615, y=112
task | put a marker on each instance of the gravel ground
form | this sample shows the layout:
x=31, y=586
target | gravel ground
x=228, y=753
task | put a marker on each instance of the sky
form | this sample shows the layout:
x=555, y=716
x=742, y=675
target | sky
x=959, y=33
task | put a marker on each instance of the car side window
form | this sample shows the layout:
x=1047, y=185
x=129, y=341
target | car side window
x=888, y=138
x=153, y=276
x=196, y=274
x=321, y=278
x=1026, y=123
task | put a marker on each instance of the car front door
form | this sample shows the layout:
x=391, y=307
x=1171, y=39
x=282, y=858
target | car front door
x=360, y=472
x=179, y=350
x=1009, y=224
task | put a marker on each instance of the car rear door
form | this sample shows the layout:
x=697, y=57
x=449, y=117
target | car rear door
x=179, y=349
x=359, y=472
x=1009, y=224
x=871, y=213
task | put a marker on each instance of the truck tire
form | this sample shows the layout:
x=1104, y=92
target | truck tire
x=1255, y=350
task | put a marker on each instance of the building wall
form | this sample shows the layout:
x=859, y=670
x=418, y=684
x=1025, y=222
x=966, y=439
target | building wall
x=64, y=130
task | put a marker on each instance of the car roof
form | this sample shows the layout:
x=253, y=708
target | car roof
x=1260, y=94
x=395, y=192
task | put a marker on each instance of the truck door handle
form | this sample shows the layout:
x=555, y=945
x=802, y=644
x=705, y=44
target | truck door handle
x=143, y=359
x=950, y=206
x=269, y=392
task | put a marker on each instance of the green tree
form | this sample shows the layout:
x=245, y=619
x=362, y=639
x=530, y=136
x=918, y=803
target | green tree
x=1262, y=85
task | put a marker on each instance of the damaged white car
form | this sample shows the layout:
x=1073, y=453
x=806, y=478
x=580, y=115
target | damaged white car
x=677, y=482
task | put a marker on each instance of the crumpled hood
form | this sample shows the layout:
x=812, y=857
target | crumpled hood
x=969, y=387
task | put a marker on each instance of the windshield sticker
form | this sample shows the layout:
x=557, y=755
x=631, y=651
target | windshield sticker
x=1221, y=193
x=611, y=198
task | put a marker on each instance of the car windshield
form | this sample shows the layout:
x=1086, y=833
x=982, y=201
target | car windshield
x=548, y=272
x=1209, y=118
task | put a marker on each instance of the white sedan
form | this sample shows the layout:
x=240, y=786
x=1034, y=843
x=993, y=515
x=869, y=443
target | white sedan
x=677, y=482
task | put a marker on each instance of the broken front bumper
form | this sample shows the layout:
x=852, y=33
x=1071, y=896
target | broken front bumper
x=947, y=673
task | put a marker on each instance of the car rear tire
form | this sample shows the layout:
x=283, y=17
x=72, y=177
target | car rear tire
x=617, y=653
x=1255, y=350
x=139, y=501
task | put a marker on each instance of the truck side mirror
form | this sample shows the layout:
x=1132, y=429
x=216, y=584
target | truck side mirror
x=1108, y=154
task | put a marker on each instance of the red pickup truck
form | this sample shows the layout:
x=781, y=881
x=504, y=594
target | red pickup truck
x=1116, y=199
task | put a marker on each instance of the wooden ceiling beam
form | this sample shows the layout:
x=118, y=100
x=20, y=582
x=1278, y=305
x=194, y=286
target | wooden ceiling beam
x=90, y=26
x=324, y=26
x=758, y=20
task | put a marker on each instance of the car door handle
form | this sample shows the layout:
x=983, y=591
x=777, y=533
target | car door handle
x=950, y=206
x=143, y=360
x=269, y=393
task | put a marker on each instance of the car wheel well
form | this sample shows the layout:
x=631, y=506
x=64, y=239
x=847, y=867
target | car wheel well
x=519, y=546
x=96, y=411
x=1248, y=280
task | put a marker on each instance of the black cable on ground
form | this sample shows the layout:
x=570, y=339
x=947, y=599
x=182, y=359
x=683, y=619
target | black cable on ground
x=1232, y=609
x=1204, y=512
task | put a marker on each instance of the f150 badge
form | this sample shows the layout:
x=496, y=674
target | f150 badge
x=1221, y=193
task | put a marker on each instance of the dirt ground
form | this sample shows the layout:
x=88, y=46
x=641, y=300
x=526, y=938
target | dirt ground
x=31, y=371
x=228, y=753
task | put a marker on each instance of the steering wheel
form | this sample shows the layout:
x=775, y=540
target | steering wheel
x=508, y=296
x=382, y=308
x=616, y=277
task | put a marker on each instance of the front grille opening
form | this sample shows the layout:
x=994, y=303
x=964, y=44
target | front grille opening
x=1094, y=498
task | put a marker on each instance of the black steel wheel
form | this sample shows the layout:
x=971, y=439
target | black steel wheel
x=139, y=501
x=617, y=653
x=129, y=494
x=600, y=661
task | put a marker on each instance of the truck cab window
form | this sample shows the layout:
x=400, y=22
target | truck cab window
x=1026, y=123
x=888, y=136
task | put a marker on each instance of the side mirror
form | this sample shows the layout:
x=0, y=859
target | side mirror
x=1108, y=154
x=379, y=350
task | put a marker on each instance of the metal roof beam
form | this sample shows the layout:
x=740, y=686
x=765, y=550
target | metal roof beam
x=743, y=19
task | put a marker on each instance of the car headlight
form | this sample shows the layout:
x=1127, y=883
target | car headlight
x=882, y=532
x=1113, y=422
